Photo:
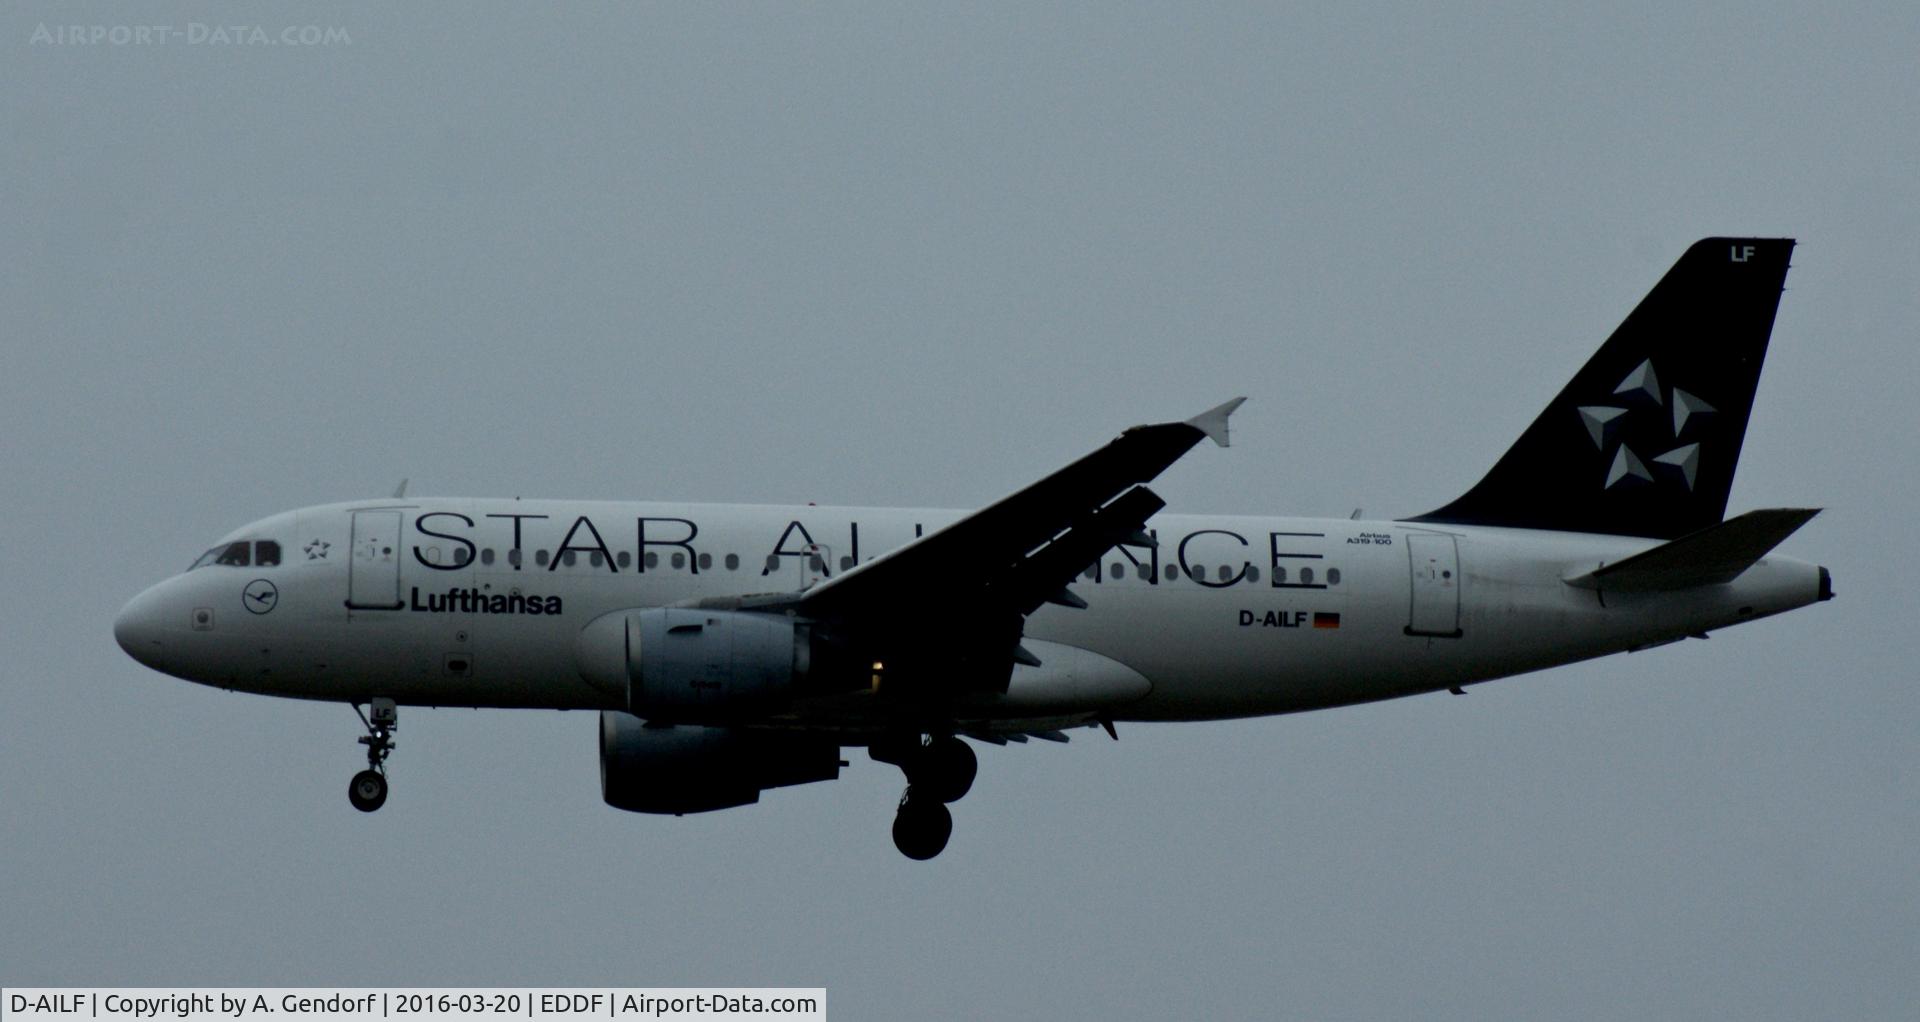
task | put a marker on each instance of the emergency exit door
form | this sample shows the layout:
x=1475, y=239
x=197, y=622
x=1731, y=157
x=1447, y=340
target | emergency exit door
x=373, y=572
x=1435, y=561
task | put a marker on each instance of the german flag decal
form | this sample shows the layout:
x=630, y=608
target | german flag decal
x=1323, y=619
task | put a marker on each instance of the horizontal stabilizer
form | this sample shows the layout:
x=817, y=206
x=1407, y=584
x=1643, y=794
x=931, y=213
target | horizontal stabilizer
x=1711, y=556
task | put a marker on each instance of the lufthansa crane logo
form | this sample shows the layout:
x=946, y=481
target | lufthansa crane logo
x=260, y=596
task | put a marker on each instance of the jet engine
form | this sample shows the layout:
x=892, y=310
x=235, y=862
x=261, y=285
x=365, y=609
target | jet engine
x=699, y=666
x=652, y=768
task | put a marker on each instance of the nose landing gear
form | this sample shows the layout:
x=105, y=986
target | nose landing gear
x=940, y=769
x=368, y=790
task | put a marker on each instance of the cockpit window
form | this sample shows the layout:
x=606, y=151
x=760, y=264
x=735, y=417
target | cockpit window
x=237, y=555
x=264, y=553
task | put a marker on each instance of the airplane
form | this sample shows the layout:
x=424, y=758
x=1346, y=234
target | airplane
x=732, y=649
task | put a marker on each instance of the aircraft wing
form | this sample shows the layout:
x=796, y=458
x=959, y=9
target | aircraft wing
x=960, y=594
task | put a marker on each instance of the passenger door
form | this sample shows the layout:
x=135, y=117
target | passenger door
x=1435, y=562
x=373, y=572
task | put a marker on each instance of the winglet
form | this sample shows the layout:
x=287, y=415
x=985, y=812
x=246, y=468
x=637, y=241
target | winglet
x=1213, y=421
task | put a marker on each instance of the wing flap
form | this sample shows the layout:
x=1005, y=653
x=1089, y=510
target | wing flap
x=1043, y=575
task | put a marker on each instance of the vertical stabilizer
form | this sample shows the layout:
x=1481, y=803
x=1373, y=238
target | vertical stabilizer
x=1644, y=440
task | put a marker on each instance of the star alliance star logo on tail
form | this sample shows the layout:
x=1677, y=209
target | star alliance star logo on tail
x=1639, y=393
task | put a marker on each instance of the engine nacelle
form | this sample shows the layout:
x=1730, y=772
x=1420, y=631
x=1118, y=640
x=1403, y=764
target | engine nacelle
x=685, y=769
x=698, y=665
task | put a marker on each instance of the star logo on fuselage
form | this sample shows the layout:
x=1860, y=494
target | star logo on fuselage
x=317, y=550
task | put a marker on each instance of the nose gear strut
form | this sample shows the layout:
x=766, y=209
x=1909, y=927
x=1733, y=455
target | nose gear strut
x=368, y=790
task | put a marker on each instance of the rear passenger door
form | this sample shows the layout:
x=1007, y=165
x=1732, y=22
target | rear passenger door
x=1435, y=562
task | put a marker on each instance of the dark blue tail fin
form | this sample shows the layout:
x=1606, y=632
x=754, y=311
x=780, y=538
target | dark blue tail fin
x=1644, y=441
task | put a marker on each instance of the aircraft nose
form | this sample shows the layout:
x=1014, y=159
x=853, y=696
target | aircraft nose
x=138, y=628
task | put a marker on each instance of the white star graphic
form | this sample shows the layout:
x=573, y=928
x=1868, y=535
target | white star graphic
x=1641, y=382
x=1685, y=405
x=1627, y=466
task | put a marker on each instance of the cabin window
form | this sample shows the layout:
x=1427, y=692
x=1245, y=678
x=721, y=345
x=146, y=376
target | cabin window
x=540, y=558
x=733, y=562
x=570, y=558
x=679, y=560
x=651, y=560
x=773, y=562
x=1333, y=576
x=1226, y=573
x=1118, y=570
x=1253, y=573
x=595, y=560
x=705, y=561
x=1172, y=572
x=486, y=555
x=461, y=557
x=1306, y=576
x=513, y=558
x=625, y=559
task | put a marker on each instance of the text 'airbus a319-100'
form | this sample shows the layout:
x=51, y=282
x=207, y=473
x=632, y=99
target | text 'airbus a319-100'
x=731, y=649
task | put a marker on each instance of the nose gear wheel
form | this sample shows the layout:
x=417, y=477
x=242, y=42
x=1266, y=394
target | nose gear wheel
x=368, y=790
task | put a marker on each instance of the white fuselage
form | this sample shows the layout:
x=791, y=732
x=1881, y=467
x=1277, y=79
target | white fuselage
x=472, y=602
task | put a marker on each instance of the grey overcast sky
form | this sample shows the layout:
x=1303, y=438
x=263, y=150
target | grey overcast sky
x=920, y=256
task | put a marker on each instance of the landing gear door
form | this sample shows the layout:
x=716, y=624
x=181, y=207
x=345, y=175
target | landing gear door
x=373, y=573
x=1435, y=561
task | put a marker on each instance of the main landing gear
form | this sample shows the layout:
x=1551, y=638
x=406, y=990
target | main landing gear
x=368, y=790
x=940, y=769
